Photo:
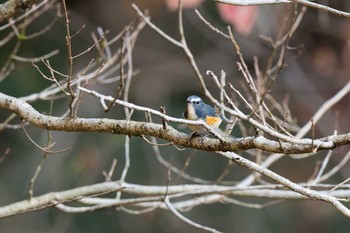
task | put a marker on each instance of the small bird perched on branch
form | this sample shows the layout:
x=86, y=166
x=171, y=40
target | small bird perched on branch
x=196, y=109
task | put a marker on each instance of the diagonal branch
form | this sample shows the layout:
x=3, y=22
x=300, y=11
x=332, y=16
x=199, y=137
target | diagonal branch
x=287, y=183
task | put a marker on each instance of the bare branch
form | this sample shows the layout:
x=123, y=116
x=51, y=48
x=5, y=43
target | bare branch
x=35, y=59
x=128, y=127
x=324, y=108
x=186, y=220
x=148, y=21
x=252, y=2
x=287, y=183
x=303, y=2
x=153, y=196
x=11, y=8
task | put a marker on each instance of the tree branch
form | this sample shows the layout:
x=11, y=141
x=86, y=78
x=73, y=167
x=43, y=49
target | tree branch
x=312, y=194
x=10, y=8
x=54, y=198
x=303, y=2
x=153, y=196
x=136, y=128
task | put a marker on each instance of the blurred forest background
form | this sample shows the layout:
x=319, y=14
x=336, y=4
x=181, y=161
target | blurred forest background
x=316, y=68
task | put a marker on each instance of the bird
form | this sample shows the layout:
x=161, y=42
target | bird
x=196, y=109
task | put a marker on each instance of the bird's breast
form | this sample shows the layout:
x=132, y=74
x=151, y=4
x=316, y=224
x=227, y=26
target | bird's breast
x=190, y=112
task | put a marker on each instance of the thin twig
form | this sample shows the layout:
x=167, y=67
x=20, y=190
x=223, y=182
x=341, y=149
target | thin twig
x=186, y=220
x=70, y=60
x=111, y=170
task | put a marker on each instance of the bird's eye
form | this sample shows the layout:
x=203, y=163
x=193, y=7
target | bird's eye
x=196, y=102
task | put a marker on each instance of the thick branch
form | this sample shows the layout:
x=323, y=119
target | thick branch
x=12, y=7
x=135, y=128
x=151, y=196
